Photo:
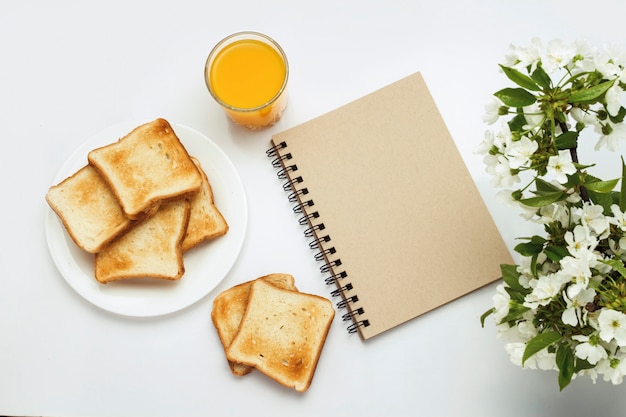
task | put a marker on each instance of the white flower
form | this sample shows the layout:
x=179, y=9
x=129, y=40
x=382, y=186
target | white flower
x=522, y=332
x=613, y=368
x=612, y=98
x=501, y=301
x=520, y=152
x=612, y=326
x=593, y=217
x=611, y=135
x=580, y=240
x=610, y=61
x=619, y=217
x=555, y=212
x=506, y=197
x=492, y=110
x=559, y=166
x=486, y=144
x=545, y=288
x=557, y=56
x=498, y=166
x=504, y=136
x=516, y=352
x=577, y=270
x=575, y=313
x=584, y=59
x=564, y=280
x=541, y=360
x=583, y=116
x=522, y=58
x=589, y=349
x=534, y=116
x=545, y=360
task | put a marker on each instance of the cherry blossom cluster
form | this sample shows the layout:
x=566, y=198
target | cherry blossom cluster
x=563, y=306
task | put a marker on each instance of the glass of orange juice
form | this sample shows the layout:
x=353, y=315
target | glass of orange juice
x=246, y=73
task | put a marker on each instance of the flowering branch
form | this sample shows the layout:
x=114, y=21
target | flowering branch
x=563, y=307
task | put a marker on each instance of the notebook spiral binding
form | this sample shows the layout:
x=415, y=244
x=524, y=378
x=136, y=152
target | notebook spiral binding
x=314, y=231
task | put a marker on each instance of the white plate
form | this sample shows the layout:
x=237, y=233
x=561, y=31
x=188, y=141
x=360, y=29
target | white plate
x=205, y=266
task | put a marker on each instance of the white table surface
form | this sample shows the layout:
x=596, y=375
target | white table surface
x=70, y=69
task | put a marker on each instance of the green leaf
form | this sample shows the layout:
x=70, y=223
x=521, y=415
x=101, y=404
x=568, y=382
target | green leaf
x=533, y=265
x=622, y=196
x=602, y=199
x=616, y=265
x=619, y=117
x=544, y=199
x=591, y=94
x=515, y=311
x=485, y=315
x=520, y=79
x=567, y=140
x=530, y=248
x=516, y=296
x=540, y=342
x=517, y=123
x=515, y=97
x=555, y=252
x=510, y=276
x=565, y=363
x=601, y=186
x=573, y=180
x=542, y=78
x=581, y=365
x=544, y=186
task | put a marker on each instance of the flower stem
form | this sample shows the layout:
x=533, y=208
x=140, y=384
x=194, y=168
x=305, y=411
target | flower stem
x=574, y=155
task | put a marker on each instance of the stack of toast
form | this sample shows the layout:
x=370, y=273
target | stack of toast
x=267, y=324
x=138, y=205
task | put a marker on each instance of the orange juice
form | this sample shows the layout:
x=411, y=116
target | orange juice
x=247, y=74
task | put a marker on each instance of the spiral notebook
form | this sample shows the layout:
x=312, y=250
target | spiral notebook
x=388, y=207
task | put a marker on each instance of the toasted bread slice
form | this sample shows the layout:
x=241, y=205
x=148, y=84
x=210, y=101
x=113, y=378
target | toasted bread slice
x=146, y=167
x=282, y=334
x=228, y=309
x=88, y=209
x=205, y=220
x=151, y=249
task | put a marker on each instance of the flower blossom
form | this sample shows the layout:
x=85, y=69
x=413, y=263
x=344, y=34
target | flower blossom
x=534, y=116
x=501, y=301
x=520, y=152
x=589, y=349
x=612, y=326
x=560, y=166
x=570, y=278
x=612, y=98
x=575, y=313
x=593, y=217
x=492, y=110
x=522, y=58
x=543, y=359
x=498, y=166
x=579, y=240
x=486, y=144
x=619, y=220
x=611, y=135
x=613, y=368
x=555, y=212
x=557, y=55
x=545, y=288
x=583, y=116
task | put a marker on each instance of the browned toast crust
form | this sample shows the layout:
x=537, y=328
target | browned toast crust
x=147, y=166
x=151, y=249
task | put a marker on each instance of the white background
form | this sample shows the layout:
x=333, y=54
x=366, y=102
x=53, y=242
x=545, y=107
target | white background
x=72, y=68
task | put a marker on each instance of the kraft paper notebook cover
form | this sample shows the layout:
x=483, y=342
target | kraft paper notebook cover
x=391, y=211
